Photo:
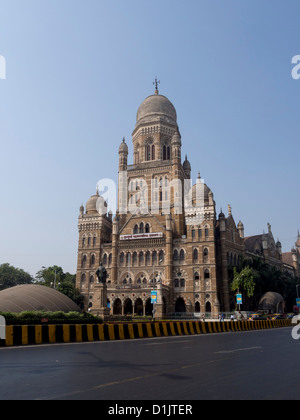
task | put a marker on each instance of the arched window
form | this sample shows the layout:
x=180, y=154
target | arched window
x=128, y=258
x=122, y=258
x=196, y=276
x=83, y=279
x=153, y=152
x=83, y=241
x=135, y=230
x=147, y=228
x=148, y=258
x=91, y=279
x=142, y=228
x=83, y=263
x=94, y=241
x=134, y=258
x=148, y=153
x=93, y=260
x=141, y=258
x=166, y=153
x=206, y=273
x=176, y=283
x=195, y=255
x=205, y=256
x=109, y=259
x=206, y=233
x=139, y=281
x=175, y=255
x=161, y=256
x=89, y=241
x=105, y=259
x=154, y=257
x=182, y=283
x=182, y=255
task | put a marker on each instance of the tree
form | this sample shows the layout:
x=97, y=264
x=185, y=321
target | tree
x=245, y=281
x=11, y=276
x=266, y=278
x=63, y=282
x=49, y=276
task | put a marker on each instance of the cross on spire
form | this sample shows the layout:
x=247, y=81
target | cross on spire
x=156, y=83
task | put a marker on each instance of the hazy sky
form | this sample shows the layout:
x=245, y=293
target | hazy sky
x=76, y=73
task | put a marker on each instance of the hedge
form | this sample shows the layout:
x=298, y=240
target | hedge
x=42, y=317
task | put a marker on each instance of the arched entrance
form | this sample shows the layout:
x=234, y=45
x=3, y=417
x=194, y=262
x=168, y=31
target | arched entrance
x=149, y=307
x=197, y=307
x=128, y=307
x=208, y=307
x=138, y=307
x=180, y=305
x=117, y=308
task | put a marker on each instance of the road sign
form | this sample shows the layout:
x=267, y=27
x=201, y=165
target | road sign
x=298, y=302
x=154, y=296
x=239, y=299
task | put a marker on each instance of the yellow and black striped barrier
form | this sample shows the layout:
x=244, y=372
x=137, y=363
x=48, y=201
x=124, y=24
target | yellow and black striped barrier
x=51, y=334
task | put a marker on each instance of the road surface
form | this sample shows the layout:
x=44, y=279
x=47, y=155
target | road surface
x=246, y=365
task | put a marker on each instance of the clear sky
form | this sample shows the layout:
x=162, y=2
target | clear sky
x=76, y=73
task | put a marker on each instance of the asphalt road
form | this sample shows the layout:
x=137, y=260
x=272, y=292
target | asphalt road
x=248, y=365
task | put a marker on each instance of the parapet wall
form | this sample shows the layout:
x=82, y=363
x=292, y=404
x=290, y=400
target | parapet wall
x=51, y=334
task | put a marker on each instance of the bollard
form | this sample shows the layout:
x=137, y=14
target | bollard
x=2, y=328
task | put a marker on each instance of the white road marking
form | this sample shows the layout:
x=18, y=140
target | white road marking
x=236, y=350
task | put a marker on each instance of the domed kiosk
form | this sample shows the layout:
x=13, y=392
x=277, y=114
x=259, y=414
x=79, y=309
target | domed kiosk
x=272, y=302
x=32, y=297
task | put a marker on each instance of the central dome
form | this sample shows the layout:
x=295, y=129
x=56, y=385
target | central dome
x=156, y=108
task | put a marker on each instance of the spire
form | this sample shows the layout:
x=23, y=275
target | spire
x=156, y=83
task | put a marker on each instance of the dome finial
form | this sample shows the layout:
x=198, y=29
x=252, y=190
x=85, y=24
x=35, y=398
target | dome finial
x=156, y=83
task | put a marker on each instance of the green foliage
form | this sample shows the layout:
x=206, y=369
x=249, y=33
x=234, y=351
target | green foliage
x=63, y=282
x=255, y=278
x=245, y=280
x=11, y=276
x=36, y=317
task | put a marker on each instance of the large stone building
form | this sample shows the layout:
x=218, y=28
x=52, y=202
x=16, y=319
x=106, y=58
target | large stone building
x=166, y=234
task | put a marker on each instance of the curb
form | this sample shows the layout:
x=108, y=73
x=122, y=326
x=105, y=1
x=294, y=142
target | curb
x=51, y=334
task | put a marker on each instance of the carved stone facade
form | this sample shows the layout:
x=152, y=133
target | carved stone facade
x=164, y=228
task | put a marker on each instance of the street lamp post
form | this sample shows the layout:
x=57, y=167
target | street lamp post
x=154, y=310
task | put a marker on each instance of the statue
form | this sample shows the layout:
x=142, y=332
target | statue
x=101, y=274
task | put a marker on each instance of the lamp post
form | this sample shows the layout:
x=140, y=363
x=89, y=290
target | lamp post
x=154, y=303
x=53, y=284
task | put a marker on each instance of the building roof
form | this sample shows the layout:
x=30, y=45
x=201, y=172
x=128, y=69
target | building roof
x=156, y=108
x=252, y=243
x=287, y=258
x=32, y=297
